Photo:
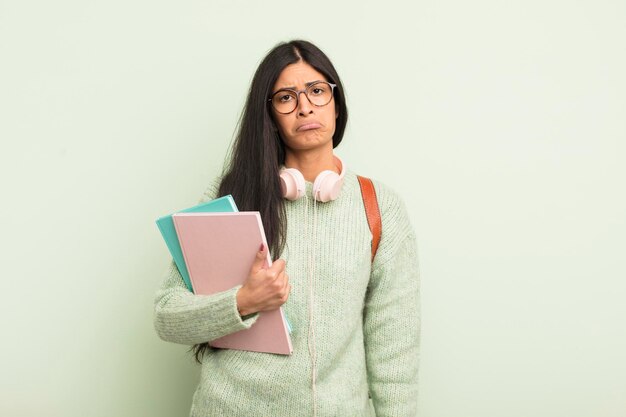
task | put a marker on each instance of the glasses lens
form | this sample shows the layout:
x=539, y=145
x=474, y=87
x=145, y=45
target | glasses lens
x=320, y=93
x=284, y=101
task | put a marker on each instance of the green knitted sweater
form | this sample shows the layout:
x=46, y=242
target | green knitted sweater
x=366, y=320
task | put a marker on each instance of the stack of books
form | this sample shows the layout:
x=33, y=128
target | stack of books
x=214, y=246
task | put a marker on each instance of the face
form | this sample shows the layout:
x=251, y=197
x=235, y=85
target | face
x=308, y=126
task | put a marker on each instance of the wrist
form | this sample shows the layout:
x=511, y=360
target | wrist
x=242, y=305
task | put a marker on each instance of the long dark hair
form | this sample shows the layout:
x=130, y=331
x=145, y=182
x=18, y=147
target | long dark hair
x=251, y=174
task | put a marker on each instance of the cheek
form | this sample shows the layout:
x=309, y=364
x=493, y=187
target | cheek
x=280, y=124
x=283, y=131
x=332, y=121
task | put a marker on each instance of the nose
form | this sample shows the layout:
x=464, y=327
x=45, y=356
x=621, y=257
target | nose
x=304, y=105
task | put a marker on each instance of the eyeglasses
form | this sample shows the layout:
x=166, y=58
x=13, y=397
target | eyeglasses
x=319, y=94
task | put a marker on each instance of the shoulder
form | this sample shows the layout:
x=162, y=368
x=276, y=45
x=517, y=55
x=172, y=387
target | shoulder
x=392, y=207
x=395, y=219
x=393, y=211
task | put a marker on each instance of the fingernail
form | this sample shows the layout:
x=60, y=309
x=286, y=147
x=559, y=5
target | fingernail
x=261, y=248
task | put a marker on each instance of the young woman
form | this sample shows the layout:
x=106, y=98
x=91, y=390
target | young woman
x=355, y=320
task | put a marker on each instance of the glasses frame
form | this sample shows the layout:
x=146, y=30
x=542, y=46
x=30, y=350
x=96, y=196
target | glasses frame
x=297, y=93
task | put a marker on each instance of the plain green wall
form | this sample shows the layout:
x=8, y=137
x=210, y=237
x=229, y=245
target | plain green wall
x=502, y=124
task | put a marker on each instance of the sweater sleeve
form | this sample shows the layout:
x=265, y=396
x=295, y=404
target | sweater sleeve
x=392, y=318
x=183, y=317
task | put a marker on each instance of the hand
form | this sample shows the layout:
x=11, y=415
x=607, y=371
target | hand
x=266, y=288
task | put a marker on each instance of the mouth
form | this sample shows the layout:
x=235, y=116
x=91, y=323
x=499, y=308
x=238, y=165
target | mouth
x=308, y=126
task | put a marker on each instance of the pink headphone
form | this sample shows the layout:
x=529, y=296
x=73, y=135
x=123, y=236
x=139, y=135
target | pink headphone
x=326, y=187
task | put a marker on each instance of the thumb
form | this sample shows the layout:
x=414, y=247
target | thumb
x=260, y=259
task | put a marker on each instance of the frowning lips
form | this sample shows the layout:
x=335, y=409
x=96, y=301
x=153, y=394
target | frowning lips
x=308, y=126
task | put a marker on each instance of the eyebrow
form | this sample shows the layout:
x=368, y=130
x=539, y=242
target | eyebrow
x=305, y=85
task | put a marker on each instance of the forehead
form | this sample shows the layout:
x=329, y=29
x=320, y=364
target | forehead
x=297, y=76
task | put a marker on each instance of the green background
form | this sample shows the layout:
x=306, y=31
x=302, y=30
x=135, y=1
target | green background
x=501, y=123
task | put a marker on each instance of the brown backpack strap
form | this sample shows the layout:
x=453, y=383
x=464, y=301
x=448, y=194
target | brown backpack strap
x=371, y=211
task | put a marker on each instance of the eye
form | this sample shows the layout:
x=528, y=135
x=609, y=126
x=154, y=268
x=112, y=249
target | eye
x=317, y=91
x=284, y=96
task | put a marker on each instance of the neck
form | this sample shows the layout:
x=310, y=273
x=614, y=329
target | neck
x=311, y=163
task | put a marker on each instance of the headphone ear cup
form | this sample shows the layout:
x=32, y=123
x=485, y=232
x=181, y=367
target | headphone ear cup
x=292, y=183
x=327, y=186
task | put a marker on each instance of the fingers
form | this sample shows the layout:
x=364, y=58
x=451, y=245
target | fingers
x=282, y=279
x=260, y=259
x=278, y=275
x=286, y=281
x=286, y=293
x=281, y=286
x=286, y=290
x=278, y=266
x=272, y=281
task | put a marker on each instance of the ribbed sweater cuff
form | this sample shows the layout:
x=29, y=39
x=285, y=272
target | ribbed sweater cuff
x=224, y=311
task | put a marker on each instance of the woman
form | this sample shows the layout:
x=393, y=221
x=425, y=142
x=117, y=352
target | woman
x=355, y=320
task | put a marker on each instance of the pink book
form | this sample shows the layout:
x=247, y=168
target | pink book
x=219, y=249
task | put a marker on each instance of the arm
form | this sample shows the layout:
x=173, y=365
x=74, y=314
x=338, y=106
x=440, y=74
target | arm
x=392, y=320
x=183, y=317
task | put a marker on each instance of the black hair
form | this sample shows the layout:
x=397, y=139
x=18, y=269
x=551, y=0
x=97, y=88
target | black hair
x=251, y=174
